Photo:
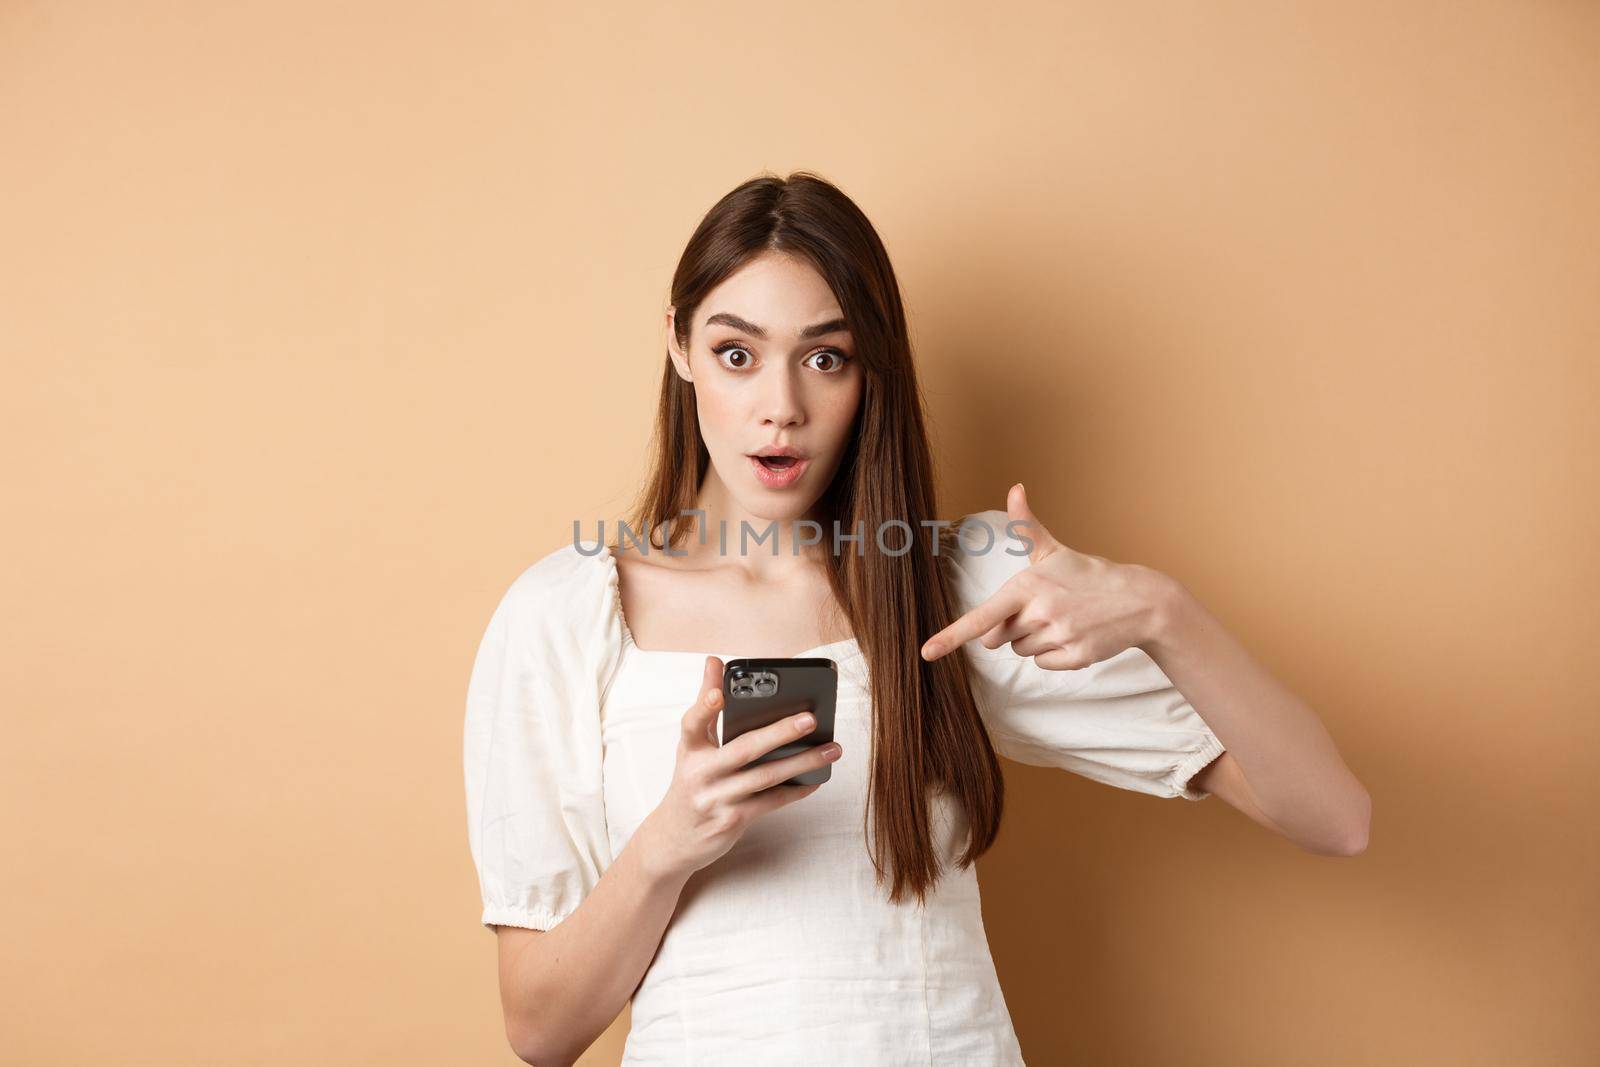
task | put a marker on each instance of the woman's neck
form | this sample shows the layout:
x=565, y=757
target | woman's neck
x=767, y=547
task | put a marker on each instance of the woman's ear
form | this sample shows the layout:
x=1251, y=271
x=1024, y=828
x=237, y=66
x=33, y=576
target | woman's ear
x=680, y=359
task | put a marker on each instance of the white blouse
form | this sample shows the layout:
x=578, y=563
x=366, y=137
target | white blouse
x=785, y=950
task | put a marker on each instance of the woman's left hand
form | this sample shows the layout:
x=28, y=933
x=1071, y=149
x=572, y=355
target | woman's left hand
x=1066, y=609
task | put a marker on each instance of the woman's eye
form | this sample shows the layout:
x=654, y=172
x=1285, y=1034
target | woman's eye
x=726, y=354
x=835, y=360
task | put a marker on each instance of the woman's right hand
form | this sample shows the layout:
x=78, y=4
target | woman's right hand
x=714, y=796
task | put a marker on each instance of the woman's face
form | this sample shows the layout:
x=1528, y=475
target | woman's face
x=774, y=370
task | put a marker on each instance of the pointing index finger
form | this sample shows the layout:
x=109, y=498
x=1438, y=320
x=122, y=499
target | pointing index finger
x=980, y=620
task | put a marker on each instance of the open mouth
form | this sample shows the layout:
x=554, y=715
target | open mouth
x=778, y=472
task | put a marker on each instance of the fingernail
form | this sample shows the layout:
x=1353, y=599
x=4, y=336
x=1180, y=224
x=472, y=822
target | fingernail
x=831, y=750
x=804, y=723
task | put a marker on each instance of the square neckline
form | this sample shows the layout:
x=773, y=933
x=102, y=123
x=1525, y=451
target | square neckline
x=614, y=580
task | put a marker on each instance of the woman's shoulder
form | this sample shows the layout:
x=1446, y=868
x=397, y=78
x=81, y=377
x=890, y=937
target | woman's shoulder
x=571, y=566
x=563, y=588
x=983, y=534
x=984, y=548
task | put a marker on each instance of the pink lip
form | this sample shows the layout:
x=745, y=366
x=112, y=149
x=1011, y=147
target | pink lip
x=779, y=479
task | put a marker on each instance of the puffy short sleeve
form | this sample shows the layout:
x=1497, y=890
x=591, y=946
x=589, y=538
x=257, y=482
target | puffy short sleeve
x=531, y=745
x=1120, y=721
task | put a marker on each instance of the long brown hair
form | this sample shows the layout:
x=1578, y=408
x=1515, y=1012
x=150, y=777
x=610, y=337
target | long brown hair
x=926, y=730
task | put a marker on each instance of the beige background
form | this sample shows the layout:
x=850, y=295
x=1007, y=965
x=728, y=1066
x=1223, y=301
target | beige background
x=320, y=325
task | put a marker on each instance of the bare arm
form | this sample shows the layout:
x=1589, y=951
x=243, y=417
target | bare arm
x=1281, y=768
x=560, y=988
x=1222, y=777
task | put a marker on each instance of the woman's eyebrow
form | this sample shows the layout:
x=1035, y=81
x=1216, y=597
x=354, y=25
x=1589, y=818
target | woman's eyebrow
x=727, y=318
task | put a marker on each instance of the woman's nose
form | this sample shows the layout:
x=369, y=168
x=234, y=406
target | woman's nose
x=780, y=399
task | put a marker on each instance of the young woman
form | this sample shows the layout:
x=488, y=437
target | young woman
x=623, y=853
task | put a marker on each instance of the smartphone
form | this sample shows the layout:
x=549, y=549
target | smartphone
x=759, y=692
